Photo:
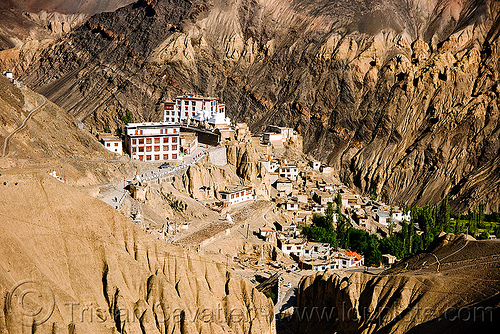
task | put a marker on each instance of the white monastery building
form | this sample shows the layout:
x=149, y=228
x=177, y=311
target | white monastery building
x=152, y=141
x=196, y=108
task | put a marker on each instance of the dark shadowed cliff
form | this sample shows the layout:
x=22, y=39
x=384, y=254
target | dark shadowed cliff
x=400, y=96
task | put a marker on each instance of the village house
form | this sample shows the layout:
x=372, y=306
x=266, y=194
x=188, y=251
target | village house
x=318, y=209
x=289, y=171
x=270, y=166
x=323, y=197
x=152, y=141
x=267, y=233
x=237, y=194
x=276, y=135
x=302, y=198
x=286, y=227
x=316, y=165
x=317, y=250
x=292, y=246
x=292, y=205
x=189, y=142
x=284, y=185
x=388, y=259
x=8, y=75
x=113, y=144
x=383, y=218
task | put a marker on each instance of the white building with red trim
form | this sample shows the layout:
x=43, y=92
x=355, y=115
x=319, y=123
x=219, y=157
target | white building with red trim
x=238, y=194
x=152, y=141
x=113, y=144
x=196, y=108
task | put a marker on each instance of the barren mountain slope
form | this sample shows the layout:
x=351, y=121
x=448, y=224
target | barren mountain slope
x=452, y=289
x=80, y=267
x=401, y=96
x=51, y=140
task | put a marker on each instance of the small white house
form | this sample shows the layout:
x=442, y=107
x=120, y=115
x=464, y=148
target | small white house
x=284, y=185
x=383, y=218
x=113, y=144
x=293, y=246
x=292, y=205
x=233, y=195
x=289, y=171
x=8, y=74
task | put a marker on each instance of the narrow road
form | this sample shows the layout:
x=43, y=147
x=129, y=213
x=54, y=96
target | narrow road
x=6, y=141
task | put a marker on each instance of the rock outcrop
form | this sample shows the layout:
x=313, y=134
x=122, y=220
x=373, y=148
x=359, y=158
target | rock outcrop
x=451, y=289
x=401, y=98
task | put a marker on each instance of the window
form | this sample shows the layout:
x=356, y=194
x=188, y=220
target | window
x=165, y=139
x=288, y=247
x=148, y=140
x=140, y=132
x=223, y=196
x=187, y=113
x=193, y=103
x=148, y=157
x=157, y=148
x=157, y=157
x=116, y=144
x=134, y=141
x=141, y=141
x=141, y=149
x=108, y=144
x=157, y=140
x=141, y=157
x=167, y=113
x=148, y=148
x=134, y=149
x=165, y=147
x=194, y=114
x=187, y=108
x=165, y=157
x=232, y=196
x=193, y=108
x=174, y=147
x=136, y=132
x=174, y=139
x=174, y=156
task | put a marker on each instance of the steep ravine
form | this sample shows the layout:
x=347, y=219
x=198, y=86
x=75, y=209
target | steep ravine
x=401, y=97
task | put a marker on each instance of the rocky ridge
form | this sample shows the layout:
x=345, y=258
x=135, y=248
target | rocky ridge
x=453, y=288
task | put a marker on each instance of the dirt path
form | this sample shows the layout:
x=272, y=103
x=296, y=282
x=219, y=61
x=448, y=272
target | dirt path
x=6, y=141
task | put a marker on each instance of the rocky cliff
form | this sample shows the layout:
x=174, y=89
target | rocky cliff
x=400, y=96
x=72, y=264
x=451, y=289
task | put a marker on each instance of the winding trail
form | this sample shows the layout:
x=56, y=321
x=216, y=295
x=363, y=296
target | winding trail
x=6, y=141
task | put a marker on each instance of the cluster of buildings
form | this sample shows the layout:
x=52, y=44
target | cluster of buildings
x=167, y=140
x=309, y=255
x=304, y=188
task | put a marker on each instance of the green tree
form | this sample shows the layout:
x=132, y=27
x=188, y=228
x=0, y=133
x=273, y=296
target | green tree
x=128, y=117
x=373, y=255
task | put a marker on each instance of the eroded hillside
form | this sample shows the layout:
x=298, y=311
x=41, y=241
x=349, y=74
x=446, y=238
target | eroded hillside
x=401, y=97
x=453, y=288
x=96, y=272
